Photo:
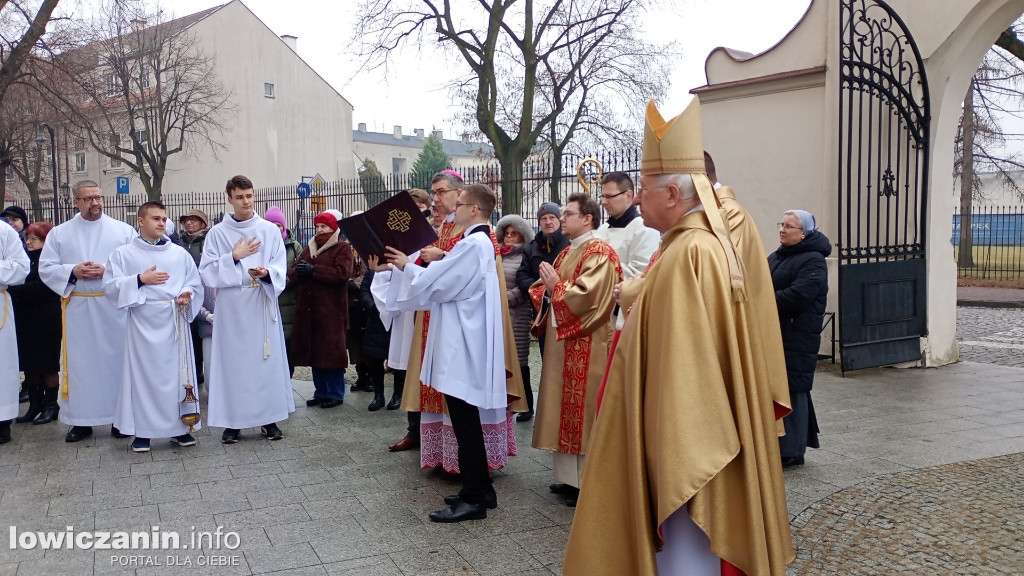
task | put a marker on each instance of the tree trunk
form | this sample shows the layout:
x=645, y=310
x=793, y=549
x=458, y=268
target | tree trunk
x=511, y=185
x=3, y=189
x=965, y=258
x=556, y=176
x=37, y=203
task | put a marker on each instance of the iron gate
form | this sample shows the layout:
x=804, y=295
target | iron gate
x=883, y=185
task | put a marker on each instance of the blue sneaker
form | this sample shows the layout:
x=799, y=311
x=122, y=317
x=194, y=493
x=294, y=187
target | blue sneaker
x=140, y=444
x=184, y=440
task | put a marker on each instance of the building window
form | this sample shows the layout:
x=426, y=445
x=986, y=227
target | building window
x=115, y=141
x=144, y=81
x=113, y=85
x=80, y=165
x=268, y=90
x=142, y=135
x=10, y=173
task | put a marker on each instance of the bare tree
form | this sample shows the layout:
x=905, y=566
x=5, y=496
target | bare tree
x=22, y=25
x=142, y=93
x=994, y=94
x=517, y=55
x=24, y=146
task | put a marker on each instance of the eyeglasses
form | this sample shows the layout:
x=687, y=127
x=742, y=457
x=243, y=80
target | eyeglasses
x=457, y=204
x=783, y=226
x=610, y=196
x=644, y=189
x=567, y=213
x=441, y=191
x=90, y=199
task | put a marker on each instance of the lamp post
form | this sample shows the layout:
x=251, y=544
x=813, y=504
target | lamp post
x=53, y=168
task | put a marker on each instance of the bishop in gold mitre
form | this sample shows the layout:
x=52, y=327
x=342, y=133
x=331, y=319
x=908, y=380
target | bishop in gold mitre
x=683, y=473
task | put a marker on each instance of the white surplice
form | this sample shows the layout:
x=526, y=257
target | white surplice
x=158, y=346
x=94, y=329
x=14, y=266
x=465, y=355
x=399, y=324
x=248, y=373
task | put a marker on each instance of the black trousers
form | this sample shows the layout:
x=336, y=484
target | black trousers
x=476, y=480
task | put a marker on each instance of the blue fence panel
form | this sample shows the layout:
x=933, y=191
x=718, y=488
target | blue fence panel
x=1000, y=229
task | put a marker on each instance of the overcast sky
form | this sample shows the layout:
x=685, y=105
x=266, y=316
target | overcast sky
x=413, y=94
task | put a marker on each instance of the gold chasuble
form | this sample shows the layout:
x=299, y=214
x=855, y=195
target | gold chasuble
x=576, y=347
x=688, y=422
x=430, y=400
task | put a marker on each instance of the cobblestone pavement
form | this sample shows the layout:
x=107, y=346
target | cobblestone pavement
x=330, y=499
x=991, y=335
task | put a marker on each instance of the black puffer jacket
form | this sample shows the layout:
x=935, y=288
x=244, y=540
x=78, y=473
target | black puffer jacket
x=800, y=277
x=376, y=339
x=542, y=249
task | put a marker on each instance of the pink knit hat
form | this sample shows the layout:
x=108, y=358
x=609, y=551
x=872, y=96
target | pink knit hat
x=275, y=215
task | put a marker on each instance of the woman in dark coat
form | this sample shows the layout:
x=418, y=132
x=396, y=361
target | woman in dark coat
x=320, y=275
x=514, y=234
x=376, y=341
x=800, y=278
x=38, y=333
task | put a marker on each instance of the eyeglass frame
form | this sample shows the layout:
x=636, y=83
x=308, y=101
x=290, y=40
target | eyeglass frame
x=783, y=226
x=457, y=204
x=609, y=197
x=443, y=191
x=90, y=199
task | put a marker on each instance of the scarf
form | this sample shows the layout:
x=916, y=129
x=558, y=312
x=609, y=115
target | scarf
x=322, y=242
x=625, y=218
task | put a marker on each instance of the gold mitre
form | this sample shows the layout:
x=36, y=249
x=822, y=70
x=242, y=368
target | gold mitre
x=673, y=147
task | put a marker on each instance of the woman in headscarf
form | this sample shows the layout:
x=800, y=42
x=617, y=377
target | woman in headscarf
x=800, y=278
x=514, y=233
x=321, y=274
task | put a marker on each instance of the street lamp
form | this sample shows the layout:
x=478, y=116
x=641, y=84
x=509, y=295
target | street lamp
x=53, y=167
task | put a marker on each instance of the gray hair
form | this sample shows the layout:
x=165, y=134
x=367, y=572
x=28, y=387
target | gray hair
x=682, y=181
x=454, y=182
x=84, y=184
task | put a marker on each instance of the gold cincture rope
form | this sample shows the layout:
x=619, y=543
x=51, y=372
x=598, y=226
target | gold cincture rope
x=64, y=335
x=4, y=321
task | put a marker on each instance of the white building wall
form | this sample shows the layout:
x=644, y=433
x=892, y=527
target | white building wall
x=306, y=128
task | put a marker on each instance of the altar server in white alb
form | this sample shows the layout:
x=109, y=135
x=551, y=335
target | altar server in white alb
x=465, y=353
x=157, y=282
x=244, y=260
x=92, y=348
x=14, y=266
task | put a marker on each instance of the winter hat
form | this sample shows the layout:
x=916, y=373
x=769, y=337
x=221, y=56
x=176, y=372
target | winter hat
x=520, y=224
x=326, y=218
x=275, y=215
x=18, y=212
x=806, y=220
x=549, y=208
x=197, y=214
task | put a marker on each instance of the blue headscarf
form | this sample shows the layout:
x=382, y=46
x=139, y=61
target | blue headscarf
x=806, y=220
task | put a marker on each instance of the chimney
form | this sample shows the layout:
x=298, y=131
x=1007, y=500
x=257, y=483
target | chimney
x=419, y=132
x=138, y=24
x=398, y=132
x=439, y=134
x=291, y=41
x=362, y=126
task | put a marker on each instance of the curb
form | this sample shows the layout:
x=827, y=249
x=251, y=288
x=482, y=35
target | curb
x=989, y=303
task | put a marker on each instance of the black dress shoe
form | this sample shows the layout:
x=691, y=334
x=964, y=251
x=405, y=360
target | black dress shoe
x=230, y=436
x=331, y=402
x=792, y=461
x=314, y=402
x=272, y=432
x=459, y=512
x=78, y=433
x=5, y=432
x=48, y=415
x=396, y=402
x=377, y=403
x=525, y=416
x=117, y=433
x=490, y=500
x=564, y=489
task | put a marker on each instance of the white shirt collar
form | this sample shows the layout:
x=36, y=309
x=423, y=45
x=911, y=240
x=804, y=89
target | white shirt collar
x=576, y=242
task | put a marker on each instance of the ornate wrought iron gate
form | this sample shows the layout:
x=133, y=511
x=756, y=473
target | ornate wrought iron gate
x=883, y=187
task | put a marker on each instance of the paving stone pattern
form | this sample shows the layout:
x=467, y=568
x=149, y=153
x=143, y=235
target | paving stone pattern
x=330, y=499
x=991, y=335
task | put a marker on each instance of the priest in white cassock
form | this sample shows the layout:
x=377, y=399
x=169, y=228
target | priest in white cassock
x=92, y=349
x=157, y=282
x=465, y=354
x=14, y=266
x=244, y=260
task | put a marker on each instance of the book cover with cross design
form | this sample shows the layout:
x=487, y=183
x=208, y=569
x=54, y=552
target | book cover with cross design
x=395, y=222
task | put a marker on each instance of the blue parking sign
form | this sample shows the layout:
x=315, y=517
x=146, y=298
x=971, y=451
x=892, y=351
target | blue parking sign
x=123, y=184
